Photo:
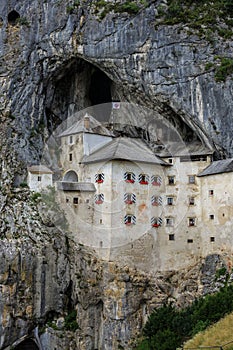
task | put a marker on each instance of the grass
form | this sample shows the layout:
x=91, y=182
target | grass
x=216, y=335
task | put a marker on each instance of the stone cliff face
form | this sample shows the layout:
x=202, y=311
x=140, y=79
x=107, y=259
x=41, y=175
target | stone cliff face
x=54, y=61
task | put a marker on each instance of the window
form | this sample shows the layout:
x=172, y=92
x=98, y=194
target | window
x=170, y=200
x=191, y=179
x=169, y=221
x=191, y=200
x=70, y=139
x=129, y=198
x=99, y=178
x=156, y=222
x=75, y=200
x=67, y=200
x=171, y=237
x=211, y=192
x=156, y=180
x=101, y=221
x=143, y=179
x=39, y=178
x=171, y=180
x=155, y=201
x=99, y=198
x=189, y=240
x=87, y=200
x=170, y=160
x=70, y=157
x=191, y=221
x=212, y=239
x=130, y=219
x=211, y=217
x=129, y=177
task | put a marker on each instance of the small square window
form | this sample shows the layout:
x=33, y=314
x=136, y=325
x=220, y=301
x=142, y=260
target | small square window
x=192, y=221
x=211, y=192
x=170, y=160
x=171, y=237
x=170, y=200
x=87, y=200
x=39, y=178
x=189, y=240
x=70, y=157
x=169, y=221
x=191, y=201
x=212, y=239
x=211, y=216
x=171, y=180
x=75, y=200
x=191, y=179
x=67, y=200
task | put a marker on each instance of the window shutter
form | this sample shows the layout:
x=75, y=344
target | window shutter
x=133, y=198
x=140, y=178
x=125, y=176
x=133, y=176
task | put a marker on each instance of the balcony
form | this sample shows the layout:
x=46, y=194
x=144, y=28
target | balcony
x=75, y=186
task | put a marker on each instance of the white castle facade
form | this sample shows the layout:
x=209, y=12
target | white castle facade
x=151, y=211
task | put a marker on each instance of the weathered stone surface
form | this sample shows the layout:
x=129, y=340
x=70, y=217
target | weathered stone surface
x=50, y=67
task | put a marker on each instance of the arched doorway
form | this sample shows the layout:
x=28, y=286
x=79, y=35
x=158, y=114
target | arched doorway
x=27, y=344
x=70, y=176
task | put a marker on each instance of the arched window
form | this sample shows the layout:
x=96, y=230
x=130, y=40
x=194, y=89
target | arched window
x=129, y=177
x=13, y=16
x=156, y=201
x=71, y=176
x=129, y=198
x=99, y=178
x=156, y=222
x=143, y=179
x=99, y=198
x=129, y=219
x=156, y=180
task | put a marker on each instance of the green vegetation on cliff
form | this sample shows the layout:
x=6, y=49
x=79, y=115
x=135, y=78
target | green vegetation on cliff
x=168, y=327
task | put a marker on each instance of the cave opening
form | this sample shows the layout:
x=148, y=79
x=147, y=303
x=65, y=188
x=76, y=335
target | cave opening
x=13, y=17
x=27, y=344
x=76, y=85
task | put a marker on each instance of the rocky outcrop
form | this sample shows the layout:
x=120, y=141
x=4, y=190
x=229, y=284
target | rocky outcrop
x=58, y=58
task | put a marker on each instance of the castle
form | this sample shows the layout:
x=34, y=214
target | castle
x=154, y=211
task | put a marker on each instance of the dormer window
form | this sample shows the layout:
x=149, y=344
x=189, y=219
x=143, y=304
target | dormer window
x=129, y=177
x=99, y=178
x=129, y=198
x=156, y=222
x=156, y=201
x=129, y=220
x=156, y=180
x=99, y=198
x=143, y=179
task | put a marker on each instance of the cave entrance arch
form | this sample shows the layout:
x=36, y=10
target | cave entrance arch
x=27, y=344
x=13, y=16
x=74, y=86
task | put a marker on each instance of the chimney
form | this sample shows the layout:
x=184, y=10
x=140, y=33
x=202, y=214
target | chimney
x=86, y=122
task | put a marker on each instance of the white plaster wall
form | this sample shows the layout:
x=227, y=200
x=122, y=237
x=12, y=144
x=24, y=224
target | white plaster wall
x=37, y=186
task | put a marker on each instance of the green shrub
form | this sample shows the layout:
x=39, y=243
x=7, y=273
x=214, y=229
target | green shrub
x=70, y=321
x=167, y=328
x=224, y=69
x=24, y=185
